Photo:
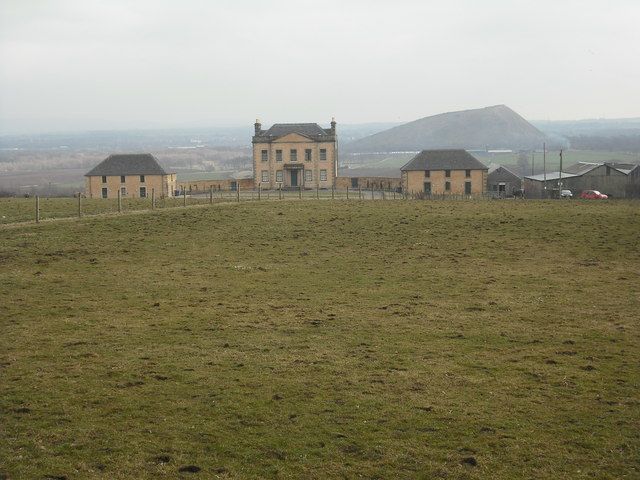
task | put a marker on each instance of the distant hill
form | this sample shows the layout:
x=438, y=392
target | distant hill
x=491, y=127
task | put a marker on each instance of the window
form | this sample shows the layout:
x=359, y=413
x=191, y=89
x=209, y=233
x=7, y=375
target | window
x=143, y=191
x=427, y=173
x=467, y=173
x=467, y=188
x=279, y=175
x=265, y=176
x=123, y=191
x=307, y=155
x=308, y=176
x=141, y=178
x=104, y=192
x=427, y=188
x=447, y=173
x=323, y=154
x=104, y=179
x=122, y=177
x=293, y=155
x=265, y=155
x=447, y=186
x=278, y=155
x=323, y=175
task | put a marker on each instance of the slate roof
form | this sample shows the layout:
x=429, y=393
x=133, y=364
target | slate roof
x=501, y=173
x=128, y=164
x=582, y=167
x=312, y=130
x=444, y=160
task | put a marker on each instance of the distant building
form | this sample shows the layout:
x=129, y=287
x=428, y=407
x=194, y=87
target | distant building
x=444, y=172
x=133, y=175
x=618, y=180
x=293, y=155
x=502, y=182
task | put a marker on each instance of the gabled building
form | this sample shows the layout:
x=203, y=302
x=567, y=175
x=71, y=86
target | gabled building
x=294, y=155
x=134, y=175
x=617, y=180
x=448, y=172
x=502, y=182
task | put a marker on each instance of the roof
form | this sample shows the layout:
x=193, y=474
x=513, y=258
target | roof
x=582, y=167
x=550, y=176
x=444, y=160
x=128, y=164
x=500, y=172
x=312, y=130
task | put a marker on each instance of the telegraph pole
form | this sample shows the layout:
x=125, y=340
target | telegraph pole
x=533, y=161
x=560, y=178
x=544, y=168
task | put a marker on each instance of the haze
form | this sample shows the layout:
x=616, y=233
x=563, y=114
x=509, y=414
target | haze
x=78, y=64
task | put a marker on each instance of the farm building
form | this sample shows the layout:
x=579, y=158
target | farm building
x=444, y=172
x=377, y=183
x=134, y=175
x=502, y=182
x=293, y=155
x=618, y=180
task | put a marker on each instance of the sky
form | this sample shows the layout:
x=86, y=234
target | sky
x=85, y=64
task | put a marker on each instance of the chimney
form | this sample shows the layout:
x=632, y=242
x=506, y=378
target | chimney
x=333, y=125
x=258, y=127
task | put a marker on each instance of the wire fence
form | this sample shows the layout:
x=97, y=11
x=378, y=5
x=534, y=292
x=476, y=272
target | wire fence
x=37, y=209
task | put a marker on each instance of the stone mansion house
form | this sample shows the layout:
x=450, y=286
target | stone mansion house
x=294, y=155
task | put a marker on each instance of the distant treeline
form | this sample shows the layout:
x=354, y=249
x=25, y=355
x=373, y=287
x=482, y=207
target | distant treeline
x=616, y=143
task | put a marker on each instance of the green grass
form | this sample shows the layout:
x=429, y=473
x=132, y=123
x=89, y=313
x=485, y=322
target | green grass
x=324, y=340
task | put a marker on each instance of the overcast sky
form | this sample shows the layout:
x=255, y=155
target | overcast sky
x=75, y=64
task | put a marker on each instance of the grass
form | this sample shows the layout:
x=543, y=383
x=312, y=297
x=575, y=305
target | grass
x=321, y=340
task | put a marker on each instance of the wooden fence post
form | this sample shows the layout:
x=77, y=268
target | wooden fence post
x=184, y=197
x=333, y=189
x=210, y=194
x=371, y=192
x=359, y=193
x=37, y=209
x=119, y=200
x=153, y=199
x=280, y=191
x=238, y=193
x=347, y=192
x=300, y=192
x=259, y=191
x=317, y=192
x=79, y=204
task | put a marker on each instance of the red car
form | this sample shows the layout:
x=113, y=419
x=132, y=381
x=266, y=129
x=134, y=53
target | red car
x=593, y=195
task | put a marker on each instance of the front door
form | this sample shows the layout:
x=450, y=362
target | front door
x=294, y=178
x=427, y=188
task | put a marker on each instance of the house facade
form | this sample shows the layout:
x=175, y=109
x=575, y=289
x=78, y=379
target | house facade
x=132, y=175
x=295, y=155
x=444, y=172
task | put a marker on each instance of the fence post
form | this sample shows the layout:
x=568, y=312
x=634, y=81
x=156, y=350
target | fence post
x=280, y=192
x=37, y=209
x=359, y=193
x=347, y=192
x=394, y=194
x=259, y=191
x=79, y=204
x=382, y=192
x=238, y=193
x=210, y=194
x=371, y=192
x=300, y=192
x=333, y=189
x=153, y=199
x=119, y=200
x=184, y=197
x=317, y=192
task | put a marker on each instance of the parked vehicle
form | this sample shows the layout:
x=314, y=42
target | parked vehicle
x=593, y=195
x=566, y=194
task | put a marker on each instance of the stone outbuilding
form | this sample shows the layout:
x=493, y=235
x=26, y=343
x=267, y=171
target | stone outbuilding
x=444, y=172
x=502, y=182
x=134, y=175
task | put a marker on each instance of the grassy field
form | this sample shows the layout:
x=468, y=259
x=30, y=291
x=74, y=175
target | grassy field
x=464, y=340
